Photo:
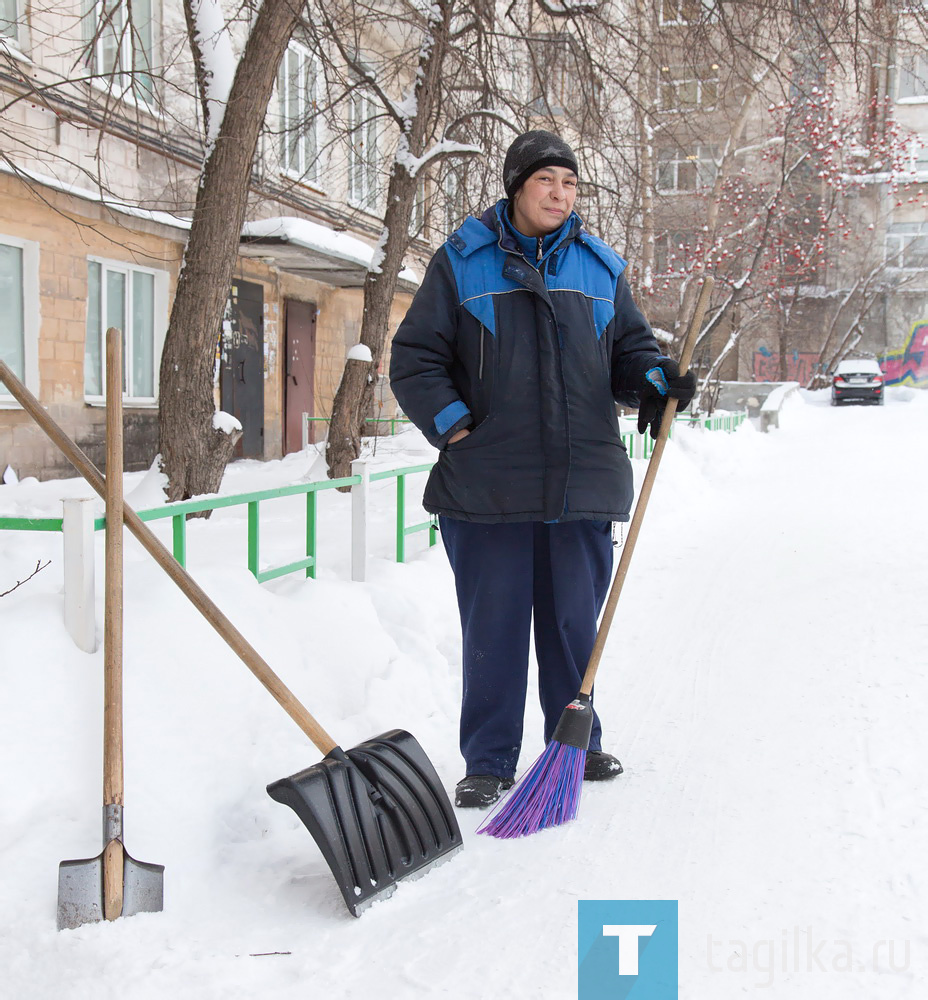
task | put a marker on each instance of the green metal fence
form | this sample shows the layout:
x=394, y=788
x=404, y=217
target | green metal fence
x=178, y=513
x=307, y=563
x=402, y=528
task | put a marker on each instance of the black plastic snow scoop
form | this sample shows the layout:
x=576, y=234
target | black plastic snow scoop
x=377, y=812
x=387, y=816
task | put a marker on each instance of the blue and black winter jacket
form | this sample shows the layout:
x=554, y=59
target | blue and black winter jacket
x=532, y=356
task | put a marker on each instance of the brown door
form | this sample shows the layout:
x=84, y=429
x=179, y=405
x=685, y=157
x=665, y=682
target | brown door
x=299, y=372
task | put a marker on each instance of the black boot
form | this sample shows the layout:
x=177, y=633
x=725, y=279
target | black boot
x=601, y=766
x=477, y=791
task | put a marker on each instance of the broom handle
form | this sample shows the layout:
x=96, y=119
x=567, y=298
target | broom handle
x=669, y=410
x=197, y=596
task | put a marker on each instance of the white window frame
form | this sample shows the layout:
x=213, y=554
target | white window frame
x=899, y=237
x=363, y=165
x=299, y=135
x=676, y=77
x=671, y=12
x=12, y=33
x=159, y=327
x=417, y=215
x=912, y=74
x=31, y=318
x=120, y=80
x=514, y=69
x=453, y=190
x=706, y=166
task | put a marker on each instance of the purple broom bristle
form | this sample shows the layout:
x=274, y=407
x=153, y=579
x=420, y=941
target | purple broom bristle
x=547, y=795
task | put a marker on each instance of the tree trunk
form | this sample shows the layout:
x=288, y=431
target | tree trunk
x=194, y=454
x=355, y=391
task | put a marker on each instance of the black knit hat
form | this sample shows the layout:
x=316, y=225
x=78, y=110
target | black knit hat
x=532, y=151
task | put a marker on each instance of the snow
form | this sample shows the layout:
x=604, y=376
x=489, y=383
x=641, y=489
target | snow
x=359, y=352
x=661, y=335
x=764, y=687
x=414, y=164
x=219, y=61
x=225, y=422
x=153, y=215
x=314, y=236
x=775, y=399
x=850, y=366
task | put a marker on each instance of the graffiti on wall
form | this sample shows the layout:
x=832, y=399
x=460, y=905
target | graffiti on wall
x=908, y=365
x=799, y=366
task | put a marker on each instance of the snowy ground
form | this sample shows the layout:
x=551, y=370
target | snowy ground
x=765, y=688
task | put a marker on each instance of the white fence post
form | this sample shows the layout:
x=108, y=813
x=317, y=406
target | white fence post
x=77, y=529
x=359, y=498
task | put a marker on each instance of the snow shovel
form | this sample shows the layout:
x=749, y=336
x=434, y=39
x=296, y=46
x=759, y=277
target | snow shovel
x=113, y=884
x=379, y=812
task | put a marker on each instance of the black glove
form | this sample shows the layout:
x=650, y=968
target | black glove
x=661, y=382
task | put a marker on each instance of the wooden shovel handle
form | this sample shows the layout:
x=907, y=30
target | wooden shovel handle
x=113, y=855
x=113, y=587
x=197, y=596
x=635, y=527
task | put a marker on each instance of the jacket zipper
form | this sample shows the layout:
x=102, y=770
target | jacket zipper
x=483, y=331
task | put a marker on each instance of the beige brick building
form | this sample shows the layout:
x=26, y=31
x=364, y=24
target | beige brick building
x=98, y=162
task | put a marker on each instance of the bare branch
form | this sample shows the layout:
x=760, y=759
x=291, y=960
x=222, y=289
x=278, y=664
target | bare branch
x=39, y=566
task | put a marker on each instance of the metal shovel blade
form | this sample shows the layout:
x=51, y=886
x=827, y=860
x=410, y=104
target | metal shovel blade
x=378, y=812
x=80, y=890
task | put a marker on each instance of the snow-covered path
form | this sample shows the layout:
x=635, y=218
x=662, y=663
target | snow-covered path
x=764, y=686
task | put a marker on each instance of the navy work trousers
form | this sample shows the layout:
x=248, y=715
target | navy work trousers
x=506, y=574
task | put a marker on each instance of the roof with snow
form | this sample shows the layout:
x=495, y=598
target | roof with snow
x=312, y=250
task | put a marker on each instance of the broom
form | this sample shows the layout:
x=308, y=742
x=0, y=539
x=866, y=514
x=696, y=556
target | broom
x=548, y=794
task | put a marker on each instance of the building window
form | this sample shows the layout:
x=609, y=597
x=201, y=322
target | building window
x=133, y=300
x=363, y=158
x=672, y=252
x=417, y=215
x=10, y=14
x=552, y=73
x=685, y=11
x=913, y=78
x=19, y=310
x=680, y=171
x=683, y=88
x=454, y=190
x=907, y=246
x=119, y=35
x=299, y=136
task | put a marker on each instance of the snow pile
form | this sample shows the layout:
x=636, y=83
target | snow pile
x=764, y=686
x=359, y=352
x=225, y=422
x=219, y=61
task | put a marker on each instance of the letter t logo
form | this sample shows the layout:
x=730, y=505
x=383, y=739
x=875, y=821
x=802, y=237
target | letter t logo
x=628, y=935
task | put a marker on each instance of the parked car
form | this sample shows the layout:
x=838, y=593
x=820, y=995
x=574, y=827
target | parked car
x=857, y=380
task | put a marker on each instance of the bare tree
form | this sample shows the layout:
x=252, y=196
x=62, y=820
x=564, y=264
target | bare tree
x=195, y=452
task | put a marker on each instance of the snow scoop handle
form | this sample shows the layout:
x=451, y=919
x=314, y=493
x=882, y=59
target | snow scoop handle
x=670, y=409
x=197, y=596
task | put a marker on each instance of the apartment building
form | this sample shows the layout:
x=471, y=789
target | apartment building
x=101, y=153
x=794, y=170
